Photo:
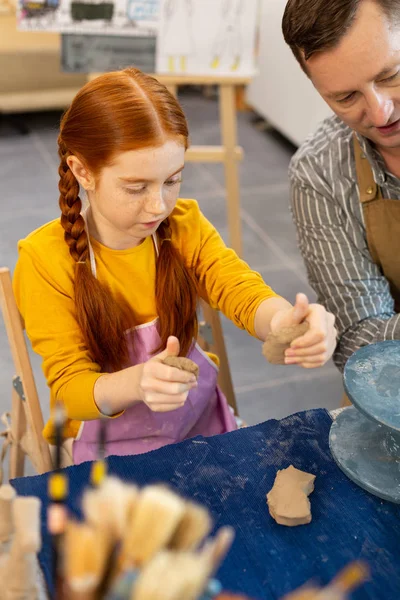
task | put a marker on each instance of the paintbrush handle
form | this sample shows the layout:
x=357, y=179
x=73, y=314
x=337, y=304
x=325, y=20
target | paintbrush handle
x=56, y=520
x=348, y=580
x=351, y=577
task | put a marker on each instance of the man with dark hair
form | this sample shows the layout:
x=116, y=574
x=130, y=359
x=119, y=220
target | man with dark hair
x=345, y=179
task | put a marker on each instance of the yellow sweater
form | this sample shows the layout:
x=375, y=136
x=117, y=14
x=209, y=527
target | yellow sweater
x=44, y=291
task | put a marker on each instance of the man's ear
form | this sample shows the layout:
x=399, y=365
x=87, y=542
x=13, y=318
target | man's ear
x=81, y=173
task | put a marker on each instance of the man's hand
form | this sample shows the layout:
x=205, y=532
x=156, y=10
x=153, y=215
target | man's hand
x=315, y=347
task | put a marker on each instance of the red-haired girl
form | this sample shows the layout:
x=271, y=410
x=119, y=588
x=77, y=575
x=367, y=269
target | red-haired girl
x=107, y=292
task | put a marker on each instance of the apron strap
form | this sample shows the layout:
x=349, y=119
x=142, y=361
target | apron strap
x=90, y=248
x=368, y=188
x=91, y=252
x=155, y=242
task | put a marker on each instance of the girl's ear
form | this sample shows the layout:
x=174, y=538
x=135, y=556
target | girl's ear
x=81, y=173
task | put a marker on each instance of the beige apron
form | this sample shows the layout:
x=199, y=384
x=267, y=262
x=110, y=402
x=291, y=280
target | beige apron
x=382, y=224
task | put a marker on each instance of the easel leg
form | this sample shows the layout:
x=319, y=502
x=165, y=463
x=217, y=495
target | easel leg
x=211, y=316
x=18, y=427
x=240, y=94
x=229, y=140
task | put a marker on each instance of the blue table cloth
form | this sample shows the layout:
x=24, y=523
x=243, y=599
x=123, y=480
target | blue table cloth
x=231, y=475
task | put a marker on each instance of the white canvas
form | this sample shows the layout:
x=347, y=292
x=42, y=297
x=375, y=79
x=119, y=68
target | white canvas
x=207, y=37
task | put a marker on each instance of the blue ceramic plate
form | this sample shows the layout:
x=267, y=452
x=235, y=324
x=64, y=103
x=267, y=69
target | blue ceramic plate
x=372, y=382
x=365, y=452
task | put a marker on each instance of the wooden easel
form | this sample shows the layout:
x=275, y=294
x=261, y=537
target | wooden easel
x=26, y=414
x=228, y=153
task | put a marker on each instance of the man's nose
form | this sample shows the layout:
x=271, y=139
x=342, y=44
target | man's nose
x=380, y=109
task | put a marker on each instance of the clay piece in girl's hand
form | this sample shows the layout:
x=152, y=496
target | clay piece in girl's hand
x=183, y=363
x=288, y=501
x=277, y=343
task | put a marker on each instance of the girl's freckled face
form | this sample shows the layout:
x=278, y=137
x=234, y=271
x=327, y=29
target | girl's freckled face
x=134, y=194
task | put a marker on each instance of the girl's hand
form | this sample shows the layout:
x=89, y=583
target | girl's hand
x=164, y=388
x=315, y=347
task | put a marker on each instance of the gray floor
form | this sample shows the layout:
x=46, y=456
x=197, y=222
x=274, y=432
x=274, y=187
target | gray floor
x=28, y=175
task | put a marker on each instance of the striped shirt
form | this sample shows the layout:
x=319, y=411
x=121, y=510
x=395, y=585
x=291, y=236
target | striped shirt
x=331, y=233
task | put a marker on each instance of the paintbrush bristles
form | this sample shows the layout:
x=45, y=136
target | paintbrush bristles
x=194, y=526
x=19, y=575
x=26, y=517
x=85, y=554
x=159, y=533
x=215, y=550
x=154, y=520
x=7, y=496
x=172, y=576
x=110, y=506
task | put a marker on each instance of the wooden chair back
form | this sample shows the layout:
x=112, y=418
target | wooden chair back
x=25, y=432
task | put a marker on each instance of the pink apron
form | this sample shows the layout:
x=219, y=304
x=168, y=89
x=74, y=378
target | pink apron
x=139, y=429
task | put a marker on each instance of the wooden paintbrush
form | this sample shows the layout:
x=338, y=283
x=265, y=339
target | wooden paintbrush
x=215, y=550
x=348, y=580
x=351, y=577
x=171, y=576
x=163, y=524
x=19, y=573
x=108, y=509
x=7, y=496
x=110, y=506
x=182, y=575
x=193, y=527
x=57, y=492
x=85, y=560
x=99, y=467
x=153, y=523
